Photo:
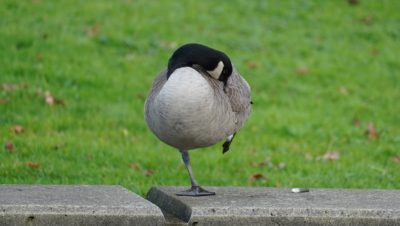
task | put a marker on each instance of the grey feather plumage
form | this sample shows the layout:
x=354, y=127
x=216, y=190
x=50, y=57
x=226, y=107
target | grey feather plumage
x=212, y=118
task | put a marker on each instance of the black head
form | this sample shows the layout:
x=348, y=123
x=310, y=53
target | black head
x=215, y=62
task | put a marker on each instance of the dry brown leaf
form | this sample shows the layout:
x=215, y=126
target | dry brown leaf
x=368, y=20
x=252, y=151
x=375, y=51
x=92, y=31
x=33, y=165
x=251, y=64
x=256, y=176
x=134, y=166
x=39, y=57
x=266, y=162
x=148, y=172
x=9, y=87
x=141, y=97
x=330, y=155
x=302, y=70
x=9, y=146
x=356, y=122
x=51, y=100
x=3, y=100
x=396, y=158
x=353, y=2
x=17, y=129
x=371, y=132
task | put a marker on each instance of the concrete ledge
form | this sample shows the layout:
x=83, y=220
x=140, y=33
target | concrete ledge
x=269, y=206
x=114, y=205
x=75, y=205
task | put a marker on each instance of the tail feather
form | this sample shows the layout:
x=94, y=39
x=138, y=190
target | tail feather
x=227, y=144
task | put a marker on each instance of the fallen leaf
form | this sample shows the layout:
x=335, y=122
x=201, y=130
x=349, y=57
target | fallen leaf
x=256, y=176
x=9, y=87
x=17, y=129
x=3, y=100
x=266, y=162
x=368, y=20
x=93, y=30
x=39, y=57
x=51, y=100
x=148, y=172
x=302, y=70
x=134, y=166
x=353, y=2
x=371, y=132
x=251, y=64
x=141, y=97
x=330, y=155
x=281, y=165
x=252, y=151
x=9, y=146
x=33, y=165
x=59, y=146
x=396, y=158
x=375, y=51
x=356, y=122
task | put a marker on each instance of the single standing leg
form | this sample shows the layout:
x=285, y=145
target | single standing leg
x=195, y=190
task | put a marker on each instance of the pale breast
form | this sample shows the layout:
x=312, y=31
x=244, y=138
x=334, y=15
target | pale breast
x=186, y=113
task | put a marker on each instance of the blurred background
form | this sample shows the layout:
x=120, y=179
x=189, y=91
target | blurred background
x=325, y=82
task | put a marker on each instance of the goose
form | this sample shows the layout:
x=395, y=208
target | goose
x=200, y=99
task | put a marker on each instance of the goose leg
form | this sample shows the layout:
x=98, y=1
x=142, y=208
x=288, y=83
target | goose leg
x=195, y=190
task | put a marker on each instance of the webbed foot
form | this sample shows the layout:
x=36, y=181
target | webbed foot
x=195, y=191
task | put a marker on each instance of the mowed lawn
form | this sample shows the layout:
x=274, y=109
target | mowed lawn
x=325, y=78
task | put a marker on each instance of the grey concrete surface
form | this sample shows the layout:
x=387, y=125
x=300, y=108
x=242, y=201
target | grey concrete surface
x=269, y=206
x=75, y=205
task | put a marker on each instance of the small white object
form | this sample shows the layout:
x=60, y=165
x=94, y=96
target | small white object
x=300, y=190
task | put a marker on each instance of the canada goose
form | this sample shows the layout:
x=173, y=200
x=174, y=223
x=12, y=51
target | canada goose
x=197, y=101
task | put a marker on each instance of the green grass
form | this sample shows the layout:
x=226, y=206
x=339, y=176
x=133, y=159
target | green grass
x=315, y=68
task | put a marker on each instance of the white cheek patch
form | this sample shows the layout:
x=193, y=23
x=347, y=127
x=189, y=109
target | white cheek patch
x=216, y=73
